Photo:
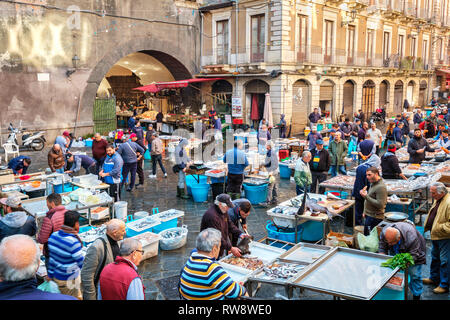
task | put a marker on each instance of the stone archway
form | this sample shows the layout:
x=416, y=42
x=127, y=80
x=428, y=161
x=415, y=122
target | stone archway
x=175, y=58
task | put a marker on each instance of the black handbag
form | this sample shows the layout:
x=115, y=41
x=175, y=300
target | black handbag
x=176, y=168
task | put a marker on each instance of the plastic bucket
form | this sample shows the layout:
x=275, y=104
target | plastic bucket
x=200, y=192
x=283, y=154
x=312, y=231
x=319, y=127
x=120, y=210
x=59, y=189
x=340, y=194
x=285, y=235
x=256, y=194
x=88, y=143
x=190, y=180
x=285, y=172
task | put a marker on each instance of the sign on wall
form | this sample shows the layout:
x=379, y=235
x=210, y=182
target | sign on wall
x=236, y=107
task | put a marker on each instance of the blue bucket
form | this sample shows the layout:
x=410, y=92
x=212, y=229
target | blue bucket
x=389, y=294
x=312, y=231
x=285, y=235
x=285, y=172
x=319, y=127
x=59, y=189
x=337, y=193
x=190, y=180
x=88, y=143
x=200, y=192
x=256, y=194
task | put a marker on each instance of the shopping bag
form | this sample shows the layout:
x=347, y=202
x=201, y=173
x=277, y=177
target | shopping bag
x=370, y=242
x=49, y=286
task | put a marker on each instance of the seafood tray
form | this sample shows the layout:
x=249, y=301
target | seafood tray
x=141, y=225
x=278, y=272
x=245, y=263
x=340, y=181
x=173, y=238
x=305, y=253
x=238, y=274
x=215, y=173
x=91, y=235
x=169, y=215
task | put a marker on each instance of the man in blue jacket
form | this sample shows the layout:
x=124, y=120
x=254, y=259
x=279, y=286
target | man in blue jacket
x=19, y=261
x=237, y=161
x=80, y=160
x=111, y=171
x=131, y=123
x=19, y=165
x=398, y=132
x=128, y=150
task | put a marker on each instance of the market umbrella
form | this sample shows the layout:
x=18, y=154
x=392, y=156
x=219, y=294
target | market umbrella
x=268, y=111
x=255, y=113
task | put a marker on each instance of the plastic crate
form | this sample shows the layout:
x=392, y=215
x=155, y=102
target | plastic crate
x=150, y=244
x=132, y=228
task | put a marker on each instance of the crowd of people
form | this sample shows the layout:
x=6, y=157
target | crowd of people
x=108, y=270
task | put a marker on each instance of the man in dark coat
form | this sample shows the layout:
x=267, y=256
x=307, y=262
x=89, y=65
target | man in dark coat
x=389, y=164
x=217, y=217
x=319, y=165
x=417, y=147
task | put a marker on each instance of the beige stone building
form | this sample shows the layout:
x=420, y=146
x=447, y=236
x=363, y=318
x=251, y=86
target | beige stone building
x=339, y=55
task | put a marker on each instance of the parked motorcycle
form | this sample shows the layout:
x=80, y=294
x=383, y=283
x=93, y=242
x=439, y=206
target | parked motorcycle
x=30, y=140
x=378, y=115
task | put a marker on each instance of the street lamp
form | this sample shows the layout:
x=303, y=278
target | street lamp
x=75, y=60
x=352, y=17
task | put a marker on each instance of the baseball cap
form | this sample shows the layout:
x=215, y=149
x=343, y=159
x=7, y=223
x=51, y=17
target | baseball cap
x=133, y=135
x=319, y=141
x=225, y=198
x=13, y=202
x=66, y=133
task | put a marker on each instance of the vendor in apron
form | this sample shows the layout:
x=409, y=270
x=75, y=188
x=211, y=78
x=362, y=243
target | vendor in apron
x=111, y=172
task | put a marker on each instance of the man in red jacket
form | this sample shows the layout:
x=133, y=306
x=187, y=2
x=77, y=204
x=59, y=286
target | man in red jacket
x=119, y=280
x=52, y=222
x=99, y=151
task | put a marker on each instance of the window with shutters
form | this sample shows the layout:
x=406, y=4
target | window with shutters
x=328, y=56
x=222, y=41
x=425, y=52
x=413, y=47
x=257, y=38
x=386, y=46
x=351, y=45
x=370, y=45
x=401, y=46
x=302, y=37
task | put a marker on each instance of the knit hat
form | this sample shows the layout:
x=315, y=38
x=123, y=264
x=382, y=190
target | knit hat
x=366, y=147
x=66, y=133
x=13, y=202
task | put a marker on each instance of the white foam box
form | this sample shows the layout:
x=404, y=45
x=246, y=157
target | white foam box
x=97, y=213
x=150, y=243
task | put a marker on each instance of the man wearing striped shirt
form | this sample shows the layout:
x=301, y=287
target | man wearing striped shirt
x=66, y=257
x=202, y=278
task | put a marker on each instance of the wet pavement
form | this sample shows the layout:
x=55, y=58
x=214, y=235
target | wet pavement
x=160, y=273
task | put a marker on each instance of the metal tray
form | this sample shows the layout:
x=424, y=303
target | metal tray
x=305, y=253
x=238, y=274
x=396, y=216
x=259, y=275
x=347, y=273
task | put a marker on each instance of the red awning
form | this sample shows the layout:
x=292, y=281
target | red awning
x=158, y=86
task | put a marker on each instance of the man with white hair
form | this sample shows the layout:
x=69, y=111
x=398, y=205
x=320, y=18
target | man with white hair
x=19, y=261
x=101, y=252
x=217, y=217
x=120, y=280
x=403, y=237
x=302, y=175
x=438, y=222
x=198, y=279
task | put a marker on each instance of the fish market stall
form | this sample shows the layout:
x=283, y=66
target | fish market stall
x=318, y=207
x=89, y=181
x=287, y=267
x=239, y=269
x=81, y=200
x=347, y=273
x=31, y=184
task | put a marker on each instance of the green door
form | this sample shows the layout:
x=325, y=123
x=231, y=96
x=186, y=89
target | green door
x=105, y=116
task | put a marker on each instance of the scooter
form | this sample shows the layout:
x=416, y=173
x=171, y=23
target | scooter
x=378, y=116
x=30, y=140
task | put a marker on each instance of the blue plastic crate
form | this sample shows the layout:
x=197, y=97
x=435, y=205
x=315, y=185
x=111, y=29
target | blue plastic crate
x=165, y=225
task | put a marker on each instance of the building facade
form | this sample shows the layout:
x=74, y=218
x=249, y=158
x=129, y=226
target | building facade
x=339, y=55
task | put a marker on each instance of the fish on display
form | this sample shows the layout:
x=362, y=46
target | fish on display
x=243, y=245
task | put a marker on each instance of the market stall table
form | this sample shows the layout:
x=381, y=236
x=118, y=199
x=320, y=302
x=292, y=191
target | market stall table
x=292, y=220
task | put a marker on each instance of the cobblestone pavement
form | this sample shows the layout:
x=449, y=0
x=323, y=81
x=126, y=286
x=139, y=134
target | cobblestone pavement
x=160, y=273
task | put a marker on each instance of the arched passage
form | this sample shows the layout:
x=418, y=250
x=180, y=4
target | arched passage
x=398, y=97
x=326, y=97
x=300, y=105
x=384, y=93
x=422, y=93
x=348, y=98
x=410, y=92
x=222, y=92
x=180, y=63
x=255, y=91
x=368, y=97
